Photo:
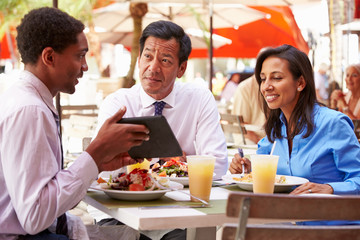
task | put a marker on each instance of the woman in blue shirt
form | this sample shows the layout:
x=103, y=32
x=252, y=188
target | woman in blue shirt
x=313, y=141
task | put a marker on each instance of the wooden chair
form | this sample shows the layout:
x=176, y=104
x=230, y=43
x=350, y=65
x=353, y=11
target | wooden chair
x=233, y=124
x=256, y=208
x=86, y=142
x=77, y=135
x=356, y=123
x=84, y=110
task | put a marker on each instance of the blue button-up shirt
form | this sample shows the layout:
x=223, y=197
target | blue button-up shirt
x=330, y=155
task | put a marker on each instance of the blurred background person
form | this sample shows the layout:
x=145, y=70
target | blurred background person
x=348, y=103
x=322, y=83
x=230, y=87
x=333, y=85
x=218, y=83
x=248, y=104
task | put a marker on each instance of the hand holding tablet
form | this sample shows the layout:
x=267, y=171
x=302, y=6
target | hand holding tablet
x=162, y=142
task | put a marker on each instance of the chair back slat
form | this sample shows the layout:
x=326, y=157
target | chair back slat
x=233, y=124
x=283, y=206
x=288, y=208
x=90, y=110
x=288, y=232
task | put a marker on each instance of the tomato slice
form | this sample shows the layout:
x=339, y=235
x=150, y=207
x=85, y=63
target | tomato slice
x=173, y=161
x=101, y=180
x=136, y=187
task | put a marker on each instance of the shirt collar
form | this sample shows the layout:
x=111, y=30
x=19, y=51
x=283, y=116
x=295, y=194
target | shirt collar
x=147, y=101
x=40, y=87
x=282, y=118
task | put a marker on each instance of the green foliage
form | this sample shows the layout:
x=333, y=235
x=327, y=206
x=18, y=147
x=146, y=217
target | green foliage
x=201, y=23
x=12, y=11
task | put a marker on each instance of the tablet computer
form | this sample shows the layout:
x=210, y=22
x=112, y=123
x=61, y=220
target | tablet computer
x=162, y=142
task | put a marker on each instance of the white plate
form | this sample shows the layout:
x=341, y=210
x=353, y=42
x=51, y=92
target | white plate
x=136, y=195
x=291, y=181
x=183, y=180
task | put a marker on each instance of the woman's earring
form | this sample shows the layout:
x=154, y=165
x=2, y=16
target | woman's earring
x=299, y=89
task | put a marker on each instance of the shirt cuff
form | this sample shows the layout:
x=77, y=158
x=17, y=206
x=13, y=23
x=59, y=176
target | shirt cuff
x=341, y=188
x=85, y=168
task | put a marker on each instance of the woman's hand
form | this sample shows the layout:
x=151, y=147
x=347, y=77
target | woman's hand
x=337, y=100
x=236, y=165
x=310, y=187
x=337, y=95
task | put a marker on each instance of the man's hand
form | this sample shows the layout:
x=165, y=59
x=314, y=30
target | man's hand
x=109, y=148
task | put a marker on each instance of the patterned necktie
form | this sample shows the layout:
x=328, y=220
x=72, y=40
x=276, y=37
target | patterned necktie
x=159, y=106
x=61, y=226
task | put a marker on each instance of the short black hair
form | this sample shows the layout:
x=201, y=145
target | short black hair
x=168, y=30
x=46, y=27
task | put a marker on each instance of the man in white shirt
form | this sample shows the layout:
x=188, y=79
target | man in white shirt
x=190, y=110
x=34, y=189
x=248, y=103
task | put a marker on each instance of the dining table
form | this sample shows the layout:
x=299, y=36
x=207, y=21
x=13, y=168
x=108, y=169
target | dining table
x=171, y=211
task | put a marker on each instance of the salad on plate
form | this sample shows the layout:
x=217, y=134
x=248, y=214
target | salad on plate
x=136, y=180
x=172, y=168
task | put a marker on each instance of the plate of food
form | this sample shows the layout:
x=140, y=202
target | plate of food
x=283, y=183
x=173, y=170
x=135, y=186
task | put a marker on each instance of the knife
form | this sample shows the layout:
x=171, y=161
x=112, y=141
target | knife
x=175, y=206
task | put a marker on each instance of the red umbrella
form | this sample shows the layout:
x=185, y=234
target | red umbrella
x=278, y=28
x=5, y=52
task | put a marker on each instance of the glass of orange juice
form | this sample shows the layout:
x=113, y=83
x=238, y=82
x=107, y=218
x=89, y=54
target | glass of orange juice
x=263, y=172
x=200, y=170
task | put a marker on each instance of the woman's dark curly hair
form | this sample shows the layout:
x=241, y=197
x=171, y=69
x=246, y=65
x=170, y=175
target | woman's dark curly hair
x=301, y=117
x=168, y=30
x=46, y=27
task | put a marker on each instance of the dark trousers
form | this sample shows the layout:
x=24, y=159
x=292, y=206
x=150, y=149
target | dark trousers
x=44, y=235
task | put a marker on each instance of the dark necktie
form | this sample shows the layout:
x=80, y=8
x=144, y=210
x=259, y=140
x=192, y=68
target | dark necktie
x=159, y=106
x=61, y=226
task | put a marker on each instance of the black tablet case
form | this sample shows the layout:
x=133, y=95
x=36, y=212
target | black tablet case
x=162, y=142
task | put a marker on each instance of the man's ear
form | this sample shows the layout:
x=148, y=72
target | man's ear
x=47, y=56
x=182, y=69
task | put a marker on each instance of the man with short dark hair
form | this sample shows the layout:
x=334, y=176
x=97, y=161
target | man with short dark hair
x=34, y=189
x=190, y=109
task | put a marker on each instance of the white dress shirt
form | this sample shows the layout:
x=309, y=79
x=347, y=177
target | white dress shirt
x=191, y=112
x=34, y=190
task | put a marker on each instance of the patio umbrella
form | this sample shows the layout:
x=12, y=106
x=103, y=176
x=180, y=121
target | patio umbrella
x=116, y=17
x=245, y=2
x=196, y=36
x=278, y=28
x=7, y=46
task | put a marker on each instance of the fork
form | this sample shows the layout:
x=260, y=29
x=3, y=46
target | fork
x=174, y=189
x=241, y=153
